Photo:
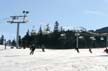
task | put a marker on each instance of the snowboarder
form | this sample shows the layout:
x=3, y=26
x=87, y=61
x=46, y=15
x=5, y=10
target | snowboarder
x=32, y=48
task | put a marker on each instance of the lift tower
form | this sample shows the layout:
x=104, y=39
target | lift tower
x=18, y=20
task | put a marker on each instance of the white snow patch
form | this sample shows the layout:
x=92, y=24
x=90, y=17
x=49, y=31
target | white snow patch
x=53, y=60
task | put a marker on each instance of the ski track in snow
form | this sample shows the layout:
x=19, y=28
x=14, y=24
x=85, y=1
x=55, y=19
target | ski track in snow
x=53, y=60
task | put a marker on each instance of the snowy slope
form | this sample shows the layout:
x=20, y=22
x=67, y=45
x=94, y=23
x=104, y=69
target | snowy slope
x=53, y=60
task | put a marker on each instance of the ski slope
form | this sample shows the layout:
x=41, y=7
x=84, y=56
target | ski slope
x=53, y=60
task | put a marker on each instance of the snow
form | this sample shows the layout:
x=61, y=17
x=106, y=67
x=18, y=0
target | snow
x=53, y=60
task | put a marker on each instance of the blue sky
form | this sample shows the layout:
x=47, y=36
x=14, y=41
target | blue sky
x=91, y=14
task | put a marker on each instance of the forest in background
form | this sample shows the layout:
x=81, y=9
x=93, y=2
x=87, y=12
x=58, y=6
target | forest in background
x=59, y=38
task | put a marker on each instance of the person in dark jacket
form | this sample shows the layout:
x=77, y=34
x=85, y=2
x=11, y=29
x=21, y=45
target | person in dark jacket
x=90, y=50
x=106, y=50
x=77, y=50
x=32, y=48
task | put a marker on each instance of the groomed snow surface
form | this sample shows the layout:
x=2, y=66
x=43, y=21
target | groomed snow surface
x=53, y=60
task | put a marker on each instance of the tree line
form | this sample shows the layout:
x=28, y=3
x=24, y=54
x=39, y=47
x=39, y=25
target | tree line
x=63, y=39
x=59, y=38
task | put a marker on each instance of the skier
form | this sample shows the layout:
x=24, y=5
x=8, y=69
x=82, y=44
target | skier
x=32, y=48
x=5, y=45
x=77, y=50
x=106, y=50
x=90, y=50
x=43, y=48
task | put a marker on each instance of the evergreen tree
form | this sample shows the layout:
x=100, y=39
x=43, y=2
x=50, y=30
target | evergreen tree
x=55, y=36
x=56, y=26
x=27, y=33
x=39, y=37
x=26, y=40
x=2, y=39
x=9, y=42
x=13, y=42
x=40, y=30
x=47, y=28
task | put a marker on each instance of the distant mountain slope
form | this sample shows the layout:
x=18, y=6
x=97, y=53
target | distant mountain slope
x=102, y=30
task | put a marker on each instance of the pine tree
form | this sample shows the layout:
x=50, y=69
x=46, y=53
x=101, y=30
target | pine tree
x=39, y=38
x=56, y=26
x=13, y=42
x=26, y=39
x=2, y=39
x=47, y=27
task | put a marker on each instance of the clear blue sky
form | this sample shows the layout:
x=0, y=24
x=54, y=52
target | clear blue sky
x=91, y=14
